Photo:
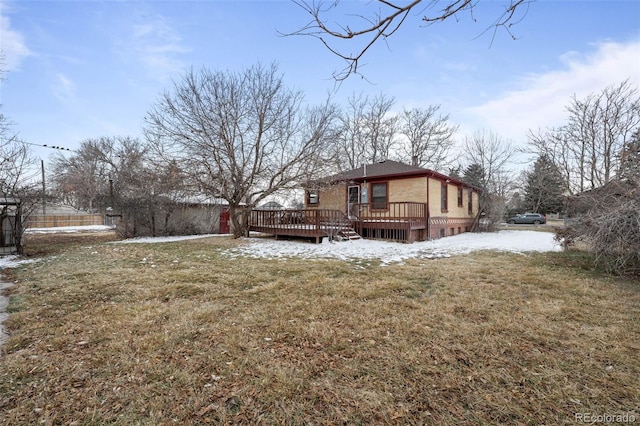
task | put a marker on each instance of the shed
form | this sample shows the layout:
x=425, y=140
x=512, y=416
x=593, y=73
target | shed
x=10, y=226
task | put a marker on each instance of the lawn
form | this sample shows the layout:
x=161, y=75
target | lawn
x=186, y=333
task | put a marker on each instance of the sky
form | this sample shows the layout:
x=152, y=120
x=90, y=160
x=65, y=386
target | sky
x=77, y=70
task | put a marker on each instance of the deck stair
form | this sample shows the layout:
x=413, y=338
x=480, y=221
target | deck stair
x=349, y=234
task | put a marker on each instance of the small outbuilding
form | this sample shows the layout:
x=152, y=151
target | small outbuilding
x=10, y=226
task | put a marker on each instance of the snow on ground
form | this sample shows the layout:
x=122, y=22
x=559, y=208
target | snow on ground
x=68, y=229
x=153, y=240
x=515, y=241
x=390, y=252
x=12, y=261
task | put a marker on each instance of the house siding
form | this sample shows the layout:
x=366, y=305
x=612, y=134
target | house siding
x=435, y=186
x=412, y=189
x=456, y=219
x=333, y=197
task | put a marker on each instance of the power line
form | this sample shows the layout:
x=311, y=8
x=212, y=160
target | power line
x=61, y=148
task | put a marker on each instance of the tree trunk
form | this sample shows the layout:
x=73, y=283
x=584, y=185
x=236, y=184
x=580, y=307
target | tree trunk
x=238, y=217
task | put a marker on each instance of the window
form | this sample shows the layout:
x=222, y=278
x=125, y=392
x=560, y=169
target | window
x=313, y=198
x=459, y=197
x=379, y=195
x=470, y=205
x=444, y=203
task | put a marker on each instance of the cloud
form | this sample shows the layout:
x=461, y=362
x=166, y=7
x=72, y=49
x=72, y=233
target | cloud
x=541, y=99
x=155, y=44
x=63, y=88
x=12, y=44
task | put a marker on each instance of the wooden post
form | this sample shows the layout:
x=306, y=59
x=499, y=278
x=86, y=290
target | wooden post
x=19, y=229
x=44, y=197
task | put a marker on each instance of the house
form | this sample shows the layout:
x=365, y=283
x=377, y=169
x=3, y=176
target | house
x=392, y=200
x=611, y=193
x=386, y=200
x=190, y=215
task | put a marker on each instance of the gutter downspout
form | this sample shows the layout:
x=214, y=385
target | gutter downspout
x=428, y=206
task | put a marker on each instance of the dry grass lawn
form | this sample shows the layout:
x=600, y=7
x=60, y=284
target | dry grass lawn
x=180, y=333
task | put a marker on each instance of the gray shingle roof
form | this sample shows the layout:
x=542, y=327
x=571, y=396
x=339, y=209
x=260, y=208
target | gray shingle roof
x=384, y=168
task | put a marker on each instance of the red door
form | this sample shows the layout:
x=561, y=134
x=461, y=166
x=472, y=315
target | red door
x=224, y=221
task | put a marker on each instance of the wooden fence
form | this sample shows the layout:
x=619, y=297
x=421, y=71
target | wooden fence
x=51, y=221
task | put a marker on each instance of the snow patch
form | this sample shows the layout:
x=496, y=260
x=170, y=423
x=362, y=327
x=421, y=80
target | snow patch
x=153, y=240
x=392, y=252
x=68, y=229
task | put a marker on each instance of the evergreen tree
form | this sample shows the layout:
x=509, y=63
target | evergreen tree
x=630, y=158
x=474, y=176
x=544, y=187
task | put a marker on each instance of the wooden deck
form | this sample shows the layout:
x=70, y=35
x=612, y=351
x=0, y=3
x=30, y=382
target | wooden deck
x=405, y=222
x=305, y=223
x=398, y=221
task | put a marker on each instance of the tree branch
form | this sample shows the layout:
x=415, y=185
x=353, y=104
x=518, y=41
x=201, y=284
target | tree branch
x=382, y=24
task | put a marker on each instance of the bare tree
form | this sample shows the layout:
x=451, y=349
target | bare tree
x=590, y=148
x=488, y=155
x=380, y=128
x=598, y=128
x=240, y=136
x=376, y=21
x=17, y=178
x=367, y=131
x=552, y=144
x=351, y=145
x=17, y=184
x=429, y=137
x=78, y=180
x=117, y=175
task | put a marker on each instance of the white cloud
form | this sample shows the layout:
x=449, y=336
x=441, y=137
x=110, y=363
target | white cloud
x=541, y=100
x=156, y=45
x=63, y=88
x=12, y=44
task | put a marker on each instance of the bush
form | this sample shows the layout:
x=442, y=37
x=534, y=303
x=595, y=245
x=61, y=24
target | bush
x=615, y=238
x=611, y=228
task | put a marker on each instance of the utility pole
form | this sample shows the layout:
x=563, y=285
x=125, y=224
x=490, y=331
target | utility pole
x=44, y=196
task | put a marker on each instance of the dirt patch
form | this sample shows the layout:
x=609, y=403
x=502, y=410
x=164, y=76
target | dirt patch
x=39, y=244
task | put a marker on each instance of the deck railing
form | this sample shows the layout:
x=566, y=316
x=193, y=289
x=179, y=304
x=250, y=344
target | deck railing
x=396, y=221
x=299, y=222
x=395, y=211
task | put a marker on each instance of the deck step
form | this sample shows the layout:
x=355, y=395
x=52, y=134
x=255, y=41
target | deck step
x=350, y=234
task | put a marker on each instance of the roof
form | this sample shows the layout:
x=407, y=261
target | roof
x=389, y=169
x=9, y=201
x=383, y=168
x=199, y=199
x=271, y=205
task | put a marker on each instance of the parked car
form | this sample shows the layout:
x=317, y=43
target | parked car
x=530, y=218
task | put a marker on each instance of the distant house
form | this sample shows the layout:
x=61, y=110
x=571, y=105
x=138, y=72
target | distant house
x=608, y=194
x=386, y=200
x=192, y=215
